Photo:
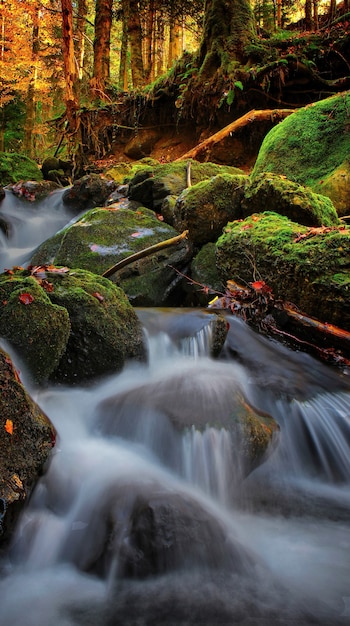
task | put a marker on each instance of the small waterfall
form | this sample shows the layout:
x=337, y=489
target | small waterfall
x=208, y=462
x=29, y=224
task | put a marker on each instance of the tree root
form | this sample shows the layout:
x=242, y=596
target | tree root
x=275, y=115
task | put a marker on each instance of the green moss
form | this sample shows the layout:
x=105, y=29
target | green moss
x=309, y=144
x=298, y=268
x=205, y=208
x=273, y=192
x=151, y=185
x=39, y=329
x=16, y=167
x=101, y=237
x=105, y=328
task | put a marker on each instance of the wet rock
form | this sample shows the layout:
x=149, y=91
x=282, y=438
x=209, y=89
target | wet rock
x=34, y=190
x=26, y=439
x=2, y=193
x=103, y=237
x=90, y=191
x=207, y=404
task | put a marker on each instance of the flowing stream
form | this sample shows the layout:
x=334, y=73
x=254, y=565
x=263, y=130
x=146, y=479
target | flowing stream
x=134, y=523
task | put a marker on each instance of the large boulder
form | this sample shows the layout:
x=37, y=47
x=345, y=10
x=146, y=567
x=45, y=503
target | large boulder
x=103, y=237
x=152, y=184
x=36, y=327
x=205, y=208
x=273, y=192
x=15, y=167
x=311, y=147
x=203, y=406
x=26, y=439
x=308, y=267
x=68, y=325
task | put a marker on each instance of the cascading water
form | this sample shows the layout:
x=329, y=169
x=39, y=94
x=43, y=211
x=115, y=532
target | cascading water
x=136, y=522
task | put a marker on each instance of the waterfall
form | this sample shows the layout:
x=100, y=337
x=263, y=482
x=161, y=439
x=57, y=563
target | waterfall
x=138, y=520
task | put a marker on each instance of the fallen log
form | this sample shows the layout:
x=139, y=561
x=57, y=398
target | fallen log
x=256, y=304
x=275, y=115
x=145, y=252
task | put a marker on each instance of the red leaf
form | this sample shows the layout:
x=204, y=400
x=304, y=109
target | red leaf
x=260, y=285
x=136, y=235
x=26, y=298
x=9, y=427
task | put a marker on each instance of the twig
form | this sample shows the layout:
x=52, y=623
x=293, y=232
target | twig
x=145, y=252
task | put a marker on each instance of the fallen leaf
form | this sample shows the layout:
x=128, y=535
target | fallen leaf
x=9, y=427
x=26, y=298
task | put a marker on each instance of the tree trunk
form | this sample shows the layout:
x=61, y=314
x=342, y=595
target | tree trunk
x=80, y=36
x=123, y=66
x=132, y=11
x=229, y=26
x=175, y=41
x=102, y=44
x=149, y=39
x=308, y=14
x=30, y=99
x=69, y=65
x=159, y=46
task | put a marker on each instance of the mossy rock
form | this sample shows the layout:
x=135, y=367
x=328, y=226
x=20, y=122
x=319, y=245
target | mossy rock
x=15, y=167
x=153, y=184
x=310, y=145
x=103, y=237
x=307, y=268
x=105, y=330
x=205, y=208
x=273, y=192
x=337, y=187
x=36, y=327
x=26, y=439
x=204, y=273
x=69, y=325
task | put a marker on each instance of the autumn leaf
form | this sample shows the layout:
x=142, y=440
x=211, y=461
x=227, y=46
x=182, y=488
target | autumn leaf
x=9, y=427
x=260, y=285
x=136, y=234
x=26, y=298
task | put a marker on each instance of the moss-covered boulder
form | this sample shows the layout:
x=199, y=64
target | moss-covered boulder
x=68, y=325
x=152, y=184
x=26, y=439
x=312, y=146
x=205, y=208
x=309, y=267
x=36, y=327
x=103, y=237
x=273, y=192
x=105, y=331
x=204, y=273
x=15, y=167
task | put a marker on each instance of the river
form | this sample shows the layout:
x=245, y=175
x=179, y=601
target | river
x=134, y=524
